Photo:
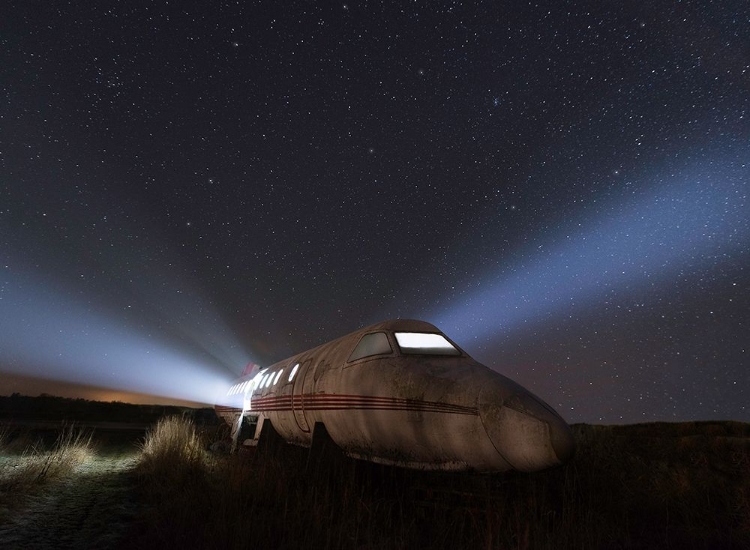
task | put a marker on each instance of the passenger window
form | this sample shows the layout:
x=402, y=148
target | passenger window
x=371, y=344
x=294, y=371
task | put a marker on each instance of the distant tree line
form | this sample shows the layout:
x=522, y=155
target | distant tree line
x=51, y=408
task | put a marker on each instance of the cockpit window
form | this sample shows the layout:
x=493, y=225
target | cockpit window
x=425, y=344
x=371, y=344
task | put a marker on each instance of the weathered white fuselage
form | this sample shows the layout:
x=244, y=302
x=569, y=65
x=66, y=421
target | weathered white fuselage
x=400, y=393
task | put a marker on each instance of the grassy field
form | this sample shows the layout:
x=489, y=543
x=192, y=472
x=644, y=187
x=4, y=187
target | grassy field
x=643, y=486
x=683, y=485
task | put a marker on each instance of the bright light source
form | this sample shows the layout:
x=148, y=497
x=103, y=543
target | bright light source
x=276, y=379
x=424, y=343
x=256, y=381
x=294, y=371
x=89, y=346
x=270, y=379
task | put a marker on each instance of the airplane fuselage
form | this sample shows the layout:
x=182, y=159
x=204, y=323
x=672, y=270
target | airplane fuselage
x=401, y=393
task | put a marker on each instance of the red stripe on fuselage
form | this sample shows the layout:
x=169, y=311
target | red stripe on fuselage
x=312, y=402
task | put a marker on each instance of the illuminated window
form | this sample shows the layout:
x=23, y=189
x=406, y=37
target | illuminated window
x=425, y=344
x=276, y=379
x=294, y=371
x=256, y=380
x=270, y=379
x=244, y=386
x=371, y=344
x=262, y=382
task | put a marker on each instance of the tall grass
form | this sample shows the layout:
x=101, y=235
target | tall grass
x=172, y=452
x=4, y=436
x=627, y=487
x=36, y=465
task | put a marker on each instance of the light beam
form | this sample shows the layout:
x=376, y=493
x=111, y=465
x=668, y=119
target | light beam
x=47, y=334
x=688, y=223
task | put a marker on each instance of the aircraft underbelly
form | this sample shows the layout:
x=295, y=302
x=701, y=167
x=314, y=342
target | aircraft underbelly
x=437, y=440
x=405, y=423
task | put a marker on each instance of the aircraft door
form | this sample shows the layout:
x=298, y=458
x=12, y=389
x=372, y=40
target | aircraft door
x=302, y=385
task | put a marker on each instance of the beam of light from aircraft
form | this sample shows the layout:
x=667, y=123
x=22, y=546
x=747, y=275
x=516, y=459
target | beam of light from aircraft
x=47, y=334
x=689, y=223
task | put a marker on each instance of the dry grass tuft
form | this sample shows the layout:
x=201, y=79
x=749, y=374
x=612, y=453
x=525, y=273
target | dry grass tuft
x=72, y=448
x=4, y=436
x=37, y=466
x=172, y=451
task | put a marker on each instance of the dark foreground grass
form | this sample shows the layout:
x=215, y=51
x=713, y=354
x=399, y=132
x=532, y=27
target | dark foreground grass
x=644, y=486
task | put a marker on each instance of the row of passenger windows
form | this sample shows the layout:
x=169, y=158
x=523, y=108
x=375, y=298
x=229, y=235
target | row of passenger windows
x=376, y=343
x=262, y=380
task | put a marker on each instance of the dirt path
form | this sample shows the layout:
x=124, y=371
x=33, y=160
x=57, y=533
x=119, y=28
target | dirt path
x=90, y=509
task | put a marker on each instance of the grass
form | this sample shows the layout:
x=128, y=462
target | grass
x=4, y=436
x=173, y=466
x=666, y=485
x=172, y=451
x=38, y=465
x=657, y=485
x=26, y=467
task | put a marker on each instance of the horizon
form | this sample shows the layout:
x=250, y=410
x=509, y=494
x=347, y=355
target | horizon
x=31, y=387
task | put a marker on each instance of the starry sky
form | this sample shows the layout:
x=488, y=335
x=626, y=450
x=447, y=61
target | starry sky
x=562, y=187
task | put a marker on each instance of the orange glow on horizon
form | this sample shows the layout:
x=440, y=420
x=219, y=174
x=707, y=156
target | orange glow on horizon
x=26, y=385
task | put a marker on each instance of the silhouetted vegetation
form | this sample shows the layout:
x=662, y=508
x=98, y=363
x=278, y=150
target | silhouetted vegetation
x=56, y=409
x=643, y=486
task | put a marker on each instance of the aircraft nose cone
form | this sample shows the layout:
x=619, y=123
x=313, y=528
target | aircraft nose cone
x=525, y=431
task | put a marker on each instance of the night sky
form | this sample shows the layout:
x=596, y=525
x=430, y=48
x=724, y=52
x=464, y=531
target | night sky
x=560, y=187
